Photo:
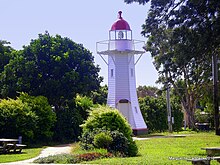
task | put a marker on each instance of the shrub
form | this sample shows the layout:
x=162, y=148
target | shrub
x=69, y=118
x=27, y=116
x=71, y=159
x=67, y=126
x=104, y=122
x=46, y=118
x=17, y=118
x=154, y=111
x=106, y=118
x=132, y=148
x=119, y=143
x=102, y=140
x=86, y=140
x=88, y=156
x=60, y=159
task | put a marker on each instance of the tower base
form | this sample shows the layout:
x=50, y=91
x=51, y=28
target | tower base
x=140, y=131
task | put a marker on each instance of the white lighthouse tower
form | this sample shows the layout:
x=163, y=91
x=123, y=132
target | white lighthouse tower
x=122, y=94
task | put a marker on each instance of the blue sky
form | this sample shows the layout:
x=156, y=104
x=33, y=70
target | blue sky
x=85, y=22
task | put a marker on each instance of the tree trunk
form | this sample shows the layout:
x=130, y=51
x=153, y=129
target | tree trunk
x=189, y=117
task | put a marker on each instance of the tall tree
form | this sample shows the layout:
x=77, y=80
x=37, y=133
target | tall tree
x=5, y=53
x=143, y=91
x=182, y=37
x=55, y=67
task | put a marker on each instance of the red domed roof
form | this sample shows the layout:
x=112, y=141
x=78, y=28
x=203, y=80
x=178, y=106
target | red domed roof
x=120, y=24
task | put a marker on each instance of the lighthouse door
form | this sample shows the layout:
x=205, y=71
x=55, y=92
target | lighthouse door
x=124, y=108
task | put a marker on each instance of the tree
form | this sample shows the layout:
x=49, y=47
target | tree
x=5, y=53
x=54, y=67
x=70, y=117
x=17, y=119
x=100, y=96
x=143, y=91
x=183, y=35
x=154, y=112
x=46, y=117
x=27, y=116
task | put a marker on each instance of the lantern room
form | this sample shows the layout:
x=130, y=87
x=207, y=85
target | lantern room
x=120, y=30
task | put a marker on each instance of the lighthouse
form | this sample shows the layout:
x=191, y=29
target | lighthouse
x=120, y=50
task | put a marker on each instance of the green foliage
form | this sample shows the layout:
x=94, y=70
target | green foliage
x=104, y=117
x=154, y=112
x=143, y=91
x=17, y=118
x=69, y=118
x=102, y=140
x=103, y=122
x=27, y=153
x=86, y=139
x=71, y=159
x=27, y=116
x=201, y=116
x=67, y=125
x=5, y=54
x=177, y=113
x=132, y=148
x=83, y=105
x=119, y=144
x=46, y=117
x=51, y=66
x=100, y=96
x=139, y=1
x=156, y=151
x=57, y=159
x=171, y=28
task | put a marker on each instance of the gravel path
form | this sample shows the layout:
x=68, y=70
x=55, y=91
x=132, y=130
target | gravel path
x=60, y=149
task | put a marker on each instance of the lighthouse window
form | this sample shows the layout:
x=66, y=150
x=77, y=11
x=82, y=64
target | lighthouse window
x=136, y=109
x=132, y=72
x=112, y=72
x=120, y=35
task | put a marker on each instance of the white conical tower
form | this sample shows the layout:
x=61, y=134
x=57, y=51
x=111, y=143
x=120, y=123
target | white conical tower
x=122, y=94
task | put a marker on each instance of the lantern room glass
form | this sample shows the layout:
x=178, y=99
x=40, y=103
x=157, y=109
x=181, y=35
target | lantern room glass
x=120, y=35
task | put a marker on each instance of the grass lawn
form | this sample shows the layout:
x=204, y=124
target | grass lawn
x=168, y=150
x=26, y=154
x=161, y=150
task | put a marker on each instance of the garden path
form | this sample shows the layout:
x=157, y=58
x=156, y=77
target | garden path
x=60, y=149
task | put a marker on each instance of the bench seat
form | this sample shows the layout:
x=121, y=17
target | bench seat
x=204, y=161
x=212, y=151
x=200, y=161
x=15, y=147
x=216, y=158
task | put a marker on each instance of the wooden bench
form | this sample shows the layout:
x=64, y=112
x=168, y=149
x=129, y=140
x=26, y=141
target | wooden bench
x=200, y=161
x=19, y=147
x=15, y=147
x=216, y=158
x=204, y=161
x=212, y=151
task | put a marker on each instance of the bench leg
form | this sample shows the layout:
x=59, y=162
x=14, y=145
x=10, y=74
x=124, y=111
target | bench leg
x=202, y=162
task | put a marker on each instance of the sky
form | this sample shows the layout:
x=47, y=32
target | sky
x=84, y=22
